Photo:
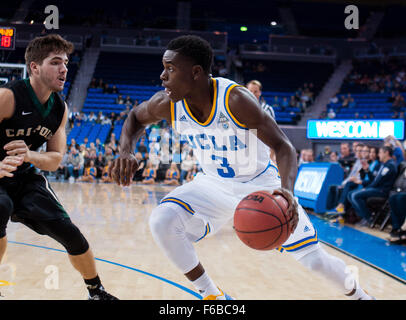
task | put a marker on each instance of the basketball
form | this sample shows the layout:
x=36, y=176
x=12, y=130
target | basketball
x=261, y=222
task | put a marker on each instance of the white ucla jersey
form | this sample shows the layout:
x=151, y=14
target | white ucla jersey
x=224, y=147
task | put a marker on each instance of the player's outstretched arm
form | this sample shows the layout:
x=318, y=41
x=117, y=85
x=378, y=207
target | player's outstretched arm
x=244, y=106
x=155, y=109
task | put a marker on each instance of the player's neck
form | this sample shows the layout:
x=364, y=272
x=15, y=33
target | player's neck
x=41, y=91
x=200, y=100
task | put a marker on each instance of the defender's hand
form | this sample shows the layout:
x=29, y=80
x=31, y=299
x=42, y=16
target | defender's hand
x=8, y=165
x=292, y=211
x=123, y=169
x=18, y=148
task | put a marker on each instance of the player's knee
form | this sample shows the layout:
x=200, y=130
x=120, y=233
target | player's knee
x=6, y=209
x=313, y=261
x=161, y=221
x=71, y=238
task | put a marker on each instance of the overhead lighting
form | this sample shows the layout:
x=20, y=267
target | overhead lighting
x=32, y=21
x=273, y=23
x=243, y=28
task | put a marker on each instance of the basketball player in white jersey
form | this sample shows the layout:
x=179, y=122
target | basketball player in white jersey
x=231, y=136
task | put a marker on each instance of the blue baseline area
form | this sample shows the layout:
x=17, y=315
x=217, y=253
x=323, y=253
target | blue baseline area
x=376, y=252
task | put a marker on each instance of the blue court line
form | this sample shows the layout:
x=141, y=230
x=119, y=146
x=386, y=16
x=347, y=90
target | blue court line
x=122, y=266
x=375, y=252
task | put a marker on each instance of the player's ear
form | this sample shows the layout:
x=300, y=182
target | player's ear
x=34, y=67
x=197, y=71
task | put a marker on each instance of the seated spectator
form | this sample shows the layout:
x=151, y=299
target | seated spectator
x=90, y=173
x=325, y=155
x=114, y=89
x=73, y=115
x=149, y=173
x=105, y=173
x=100, y=163
x=107, y=89
x=398, y=151
x=285, y=103
x=120, y=99
x=93, y=83
x=91, y=117
x=99, y=146
x=185, y=166
x=128, y=101
x=62, y=168
x=353, y=181
x=101, y=84
x=109, y=154
x=192, y=173
x=75, y=164
x=333, y=157
x=331, y=114
x=334, y=99
x=397, y=202
x=172, y=175
x=346, y=158
x=141, y=166
x=379, y=187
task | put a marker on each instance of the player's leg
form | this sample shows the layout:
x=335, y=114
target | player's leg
x=175, y=232
x=6, y=208
x=40, y=210
x=304, y=246
x=335, y=270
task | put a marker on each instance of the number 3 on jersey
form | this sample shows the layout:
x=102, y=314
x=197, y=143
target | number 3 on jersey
x=227, y=172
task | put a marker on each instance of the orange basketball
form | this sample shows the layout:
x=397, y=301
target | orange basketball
x=261, y=222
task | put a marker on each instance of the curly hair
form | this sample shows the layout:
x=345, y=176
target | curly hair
x=195, y=48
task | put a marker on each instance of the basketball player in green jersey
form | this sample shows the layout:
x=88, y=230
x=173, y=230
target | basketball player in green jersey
x=32, y=113
x=216, y=115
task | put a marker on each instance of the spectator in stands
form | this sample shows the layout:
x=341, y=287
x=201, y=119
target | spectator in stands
x=90, y=173
x=331, y=114
x=325, y=155
x=392, y=98
x=109, y=154
x=346, y=158
x=73, y=115
x=352, y=182
x=75, y=164
x=107, y=89
x=379, y=187
x=284, y=104
x=333, y=157
x=149, y=173
x=397, y=202
x=93, y=83
x=192, y=173
x=114, y=89
x=100, y=163
x=351, y=103
x=91, y=117
x=62, y=168
x=128, y=101
x=120, y=99
x=99, y=146
x=73, y=144
x=141, y=166
x=334, y=99
x=185, y=166
x=398, y=151
x=172, y=175
x=100, y=117
x=256, y=88
x=105, y=173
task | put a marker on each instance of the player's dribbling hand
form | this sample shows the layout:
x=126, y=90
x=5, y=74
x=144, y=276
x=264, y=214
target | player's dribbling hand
x=123, y=169
x=18, y=148
x=292, y=207
x=8, y=165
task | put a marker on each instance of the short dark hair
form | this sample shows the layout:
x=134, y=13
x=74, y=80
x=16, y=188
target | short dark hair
x=195, y=48
x=40, y=47
x=387, y=149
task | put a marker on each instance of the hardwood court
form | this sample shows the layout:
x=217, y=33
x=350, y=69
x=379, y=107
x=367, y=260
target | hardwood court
x=132, y=267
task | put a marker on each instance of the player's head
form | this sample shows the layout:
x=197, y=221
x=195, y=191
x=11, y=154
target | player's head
x=255, y=87
x=46, y=59
x=186, y=61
